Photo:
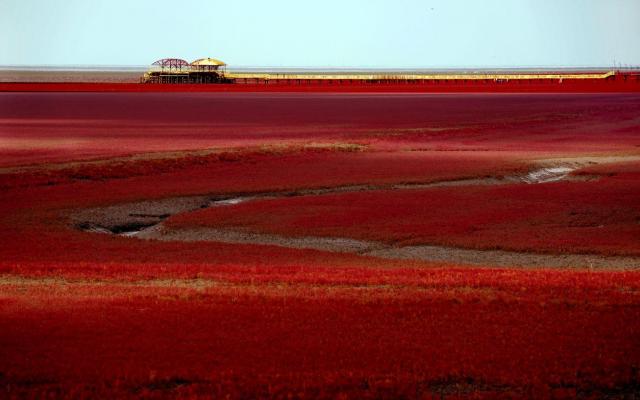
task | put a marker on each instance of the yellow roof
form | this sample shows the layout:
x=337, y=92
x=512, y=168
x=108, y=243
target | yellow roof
x=208, y=61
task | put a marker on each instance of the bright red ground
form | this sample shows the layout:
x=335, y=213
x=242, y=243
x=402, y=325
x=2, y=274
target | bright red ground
x=90, y=315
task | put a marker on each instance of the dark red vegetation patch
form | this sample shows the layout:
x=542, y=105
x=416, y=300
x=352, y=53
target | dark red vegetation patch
x=598, y=216
x=41, y=127
x=395, y=333
x=270, y=169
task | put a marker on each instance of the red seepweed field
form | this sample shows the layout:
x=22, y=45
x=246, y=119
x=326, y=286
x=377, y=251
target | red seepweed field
x=319, y=245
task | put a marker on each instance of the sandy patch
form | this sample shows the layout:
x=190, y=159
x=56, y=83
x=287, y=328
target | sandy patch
x=440, y=254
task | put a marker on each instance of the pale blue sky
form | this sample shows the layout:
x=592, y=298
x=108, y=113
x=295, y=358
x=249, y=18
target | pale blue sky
x=341, y=33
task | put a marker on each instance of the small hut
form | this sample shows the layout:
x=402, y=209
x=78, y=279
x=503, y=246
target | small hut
x=207, y=70
x=167, y=70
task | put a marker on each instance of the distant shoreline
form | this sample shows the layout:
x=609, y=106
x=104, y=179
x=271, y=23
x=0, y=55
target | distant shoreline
x=132, y=74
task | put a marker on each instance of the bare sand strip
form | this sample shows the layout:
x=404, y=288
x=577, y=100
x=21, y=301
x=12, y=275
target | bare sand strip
x=439, y=254
x=502, y=258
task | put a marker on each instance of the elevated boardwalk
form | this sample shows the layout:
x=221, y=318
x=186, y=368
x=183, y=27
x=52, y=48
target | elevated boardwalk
x=246, y=77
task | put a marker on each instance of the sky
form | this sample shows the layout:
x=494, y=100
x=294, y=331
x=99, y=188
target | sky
x=327, y=33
